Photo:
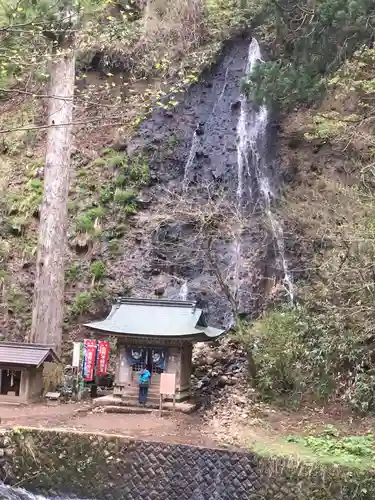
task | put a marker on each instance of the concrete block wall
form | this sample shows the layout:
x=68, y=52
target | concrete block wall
x=113, y=468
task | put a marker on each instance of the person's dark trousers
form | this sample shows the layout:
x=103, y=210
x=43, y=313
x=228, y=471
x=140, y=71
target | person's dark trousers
x=143, y=391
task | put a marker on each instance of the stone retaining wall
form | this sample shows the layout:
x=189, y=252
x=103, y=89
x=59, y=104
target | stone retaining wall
x=112, y=467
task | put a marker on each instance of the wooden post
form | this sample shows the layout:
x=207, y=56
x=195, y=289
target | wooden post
x=160, y=404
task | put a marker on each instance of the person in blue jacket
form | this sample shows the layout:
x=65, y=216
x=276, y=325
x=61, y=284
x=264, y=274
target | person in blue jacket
x=143, y=381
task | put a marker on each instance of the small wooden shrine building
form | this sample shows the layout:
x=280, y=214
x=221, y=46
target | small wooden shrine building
x=21, y=371
x=156, y=334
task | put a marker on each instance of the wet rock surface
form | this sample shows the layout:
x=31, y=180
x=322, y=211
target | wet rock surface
x=189, y=229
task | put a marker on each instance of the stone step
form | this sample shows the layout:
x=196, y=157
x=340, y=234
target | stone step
x=134, y=403
x=130, y=401
x=134, y=398
x=127, y=409
x=135, y=387
x=135, y=392
x=150, y=386
x=151, y=394
x=117, y=402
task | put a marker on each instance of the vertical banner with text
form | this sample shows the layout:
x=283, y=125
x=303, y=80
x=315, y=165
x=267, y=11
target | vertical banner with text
x=103, y=356
x=89, y=359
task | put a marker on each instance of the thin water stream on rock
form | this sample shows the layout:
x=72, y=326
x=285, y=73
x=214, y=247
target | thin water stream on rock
x=183, y=295
x=251, y=161
x=254, y=177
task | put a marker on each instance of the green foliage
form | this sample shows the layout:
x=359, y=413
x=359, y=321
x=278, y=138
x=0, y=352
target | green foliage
x=18, y=301
x=301, y=353
x=107, y=152
x=85, y=222
x=97, y=269
x=16, y=225
x=312, y=40
x=132, y=175
x=282, y=84
x=106, y=194
x=96, y=213
x=114, y=248
x=231, y=13
x=53, y=377
x=36, y=18
x=82, y=304
x=348, y=450
x=335, y=231
x=38, y=24
x=4, y=253
x=99, y=292
x=72, y=273
x=276, y=341
x=124, y=197
x=100, y=162
x=170, y=40
x=356, y=76
x=25, y=204
x=117, y=161
x=138, y=171
x=173, y=141
x=327, y=126
x=121, y=180
x=361, y=396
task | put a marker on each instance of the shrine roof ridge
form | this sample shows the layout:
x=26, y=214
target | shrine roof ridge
x=191, y=304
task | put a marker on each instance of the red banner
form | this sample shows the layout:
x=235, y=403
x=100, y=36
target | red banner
x=103, y=355
x=89, y=359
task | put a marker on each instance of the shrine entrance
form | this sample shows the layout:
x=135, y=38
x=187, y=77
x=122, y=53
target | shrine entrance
x=152, y=358
x=10, y=382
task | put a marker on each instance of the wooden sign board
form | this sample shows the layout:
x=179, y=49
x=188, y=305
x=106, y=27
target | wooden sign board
x=167, y=387
x=168, y=384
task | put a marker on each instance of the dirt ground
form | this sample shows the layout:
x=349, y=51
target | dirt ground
x=180, y=428
x=233, y=426
x=257, y=425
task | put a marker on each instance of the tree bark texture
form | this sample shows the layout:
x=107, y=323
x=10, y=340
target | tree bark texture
x=48, y=306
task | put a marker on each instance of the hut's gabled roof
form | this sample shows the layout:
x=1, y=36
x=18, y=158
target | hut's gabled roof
x=17, y=353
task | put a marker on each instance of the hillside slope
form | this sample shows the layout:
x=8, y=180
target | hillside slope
x=129, y=65
x=143, y=88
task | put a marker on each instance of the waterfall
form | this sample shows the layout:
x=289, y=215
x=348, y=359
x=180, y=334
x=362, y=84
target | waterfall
x=183, y=291
x=189, y=163
x=242, y=148
x=251, y=164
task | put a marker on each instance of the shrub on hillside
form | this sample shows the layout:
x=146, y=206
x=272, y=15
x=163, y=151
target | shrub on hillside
x=300, y=354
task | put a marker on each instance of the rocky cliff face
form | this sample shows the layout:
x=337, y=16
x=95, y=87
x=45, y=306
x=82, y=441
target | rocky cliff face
x=194, y=227
x=194, y=238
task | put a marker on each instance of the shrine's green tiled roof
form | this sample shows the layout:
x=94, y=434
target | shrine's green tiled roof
x=156, y=317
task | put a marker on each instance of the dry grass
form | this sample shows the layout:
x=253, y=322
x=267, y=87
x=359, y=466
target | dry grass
x=176, y=24
x=170, y=35
x=52, y=376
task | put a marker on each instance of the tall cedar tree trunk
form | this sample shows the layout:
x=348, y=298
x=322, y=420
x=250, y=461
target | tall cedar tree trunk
x=48, y=307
